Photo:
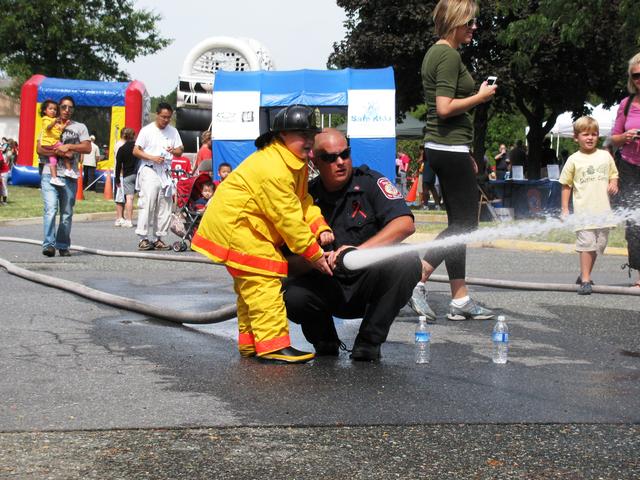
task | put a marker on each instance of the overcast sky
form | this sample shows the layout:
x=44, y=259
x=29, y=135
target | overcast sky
x=298, y=33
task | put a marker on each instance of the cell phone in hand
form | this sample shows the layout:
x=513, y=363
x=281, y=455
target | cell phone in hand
x=491, y=80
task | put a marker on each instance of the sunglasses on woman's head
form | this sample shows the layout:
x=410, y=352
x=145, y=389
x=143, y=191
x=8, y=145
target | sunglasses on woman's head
x=635, y=76
x=332, y=157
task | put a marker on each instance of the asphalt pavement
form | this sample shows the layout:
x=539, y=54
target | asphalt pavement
x=92, y=391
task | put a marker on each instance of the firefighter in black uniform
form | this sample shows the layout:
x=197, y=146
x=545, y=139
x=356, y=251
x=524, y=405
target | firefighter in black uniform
x=364, y=210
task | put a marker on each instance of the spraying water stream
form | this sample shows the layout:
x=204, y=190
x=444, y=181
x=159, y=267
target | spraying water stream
x=359, y=259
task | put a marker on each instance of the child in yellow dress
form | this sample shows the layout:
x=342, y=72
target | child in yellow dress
x=52, y=128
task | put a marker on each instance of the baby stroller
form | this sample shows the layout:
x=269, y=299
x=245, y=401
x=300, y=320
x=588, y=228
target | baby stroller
x=186, y=217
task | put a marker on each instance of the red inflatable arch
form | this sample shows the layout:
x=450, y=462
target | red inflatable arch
x=115, y=104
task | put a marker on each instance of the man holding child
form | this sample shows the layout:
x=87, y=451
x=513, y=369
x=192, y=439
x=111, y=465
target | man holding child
x=75, y=141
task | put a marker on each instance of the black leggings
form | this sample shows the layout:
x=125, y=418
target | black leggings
x=460, y=192
x=629, y=196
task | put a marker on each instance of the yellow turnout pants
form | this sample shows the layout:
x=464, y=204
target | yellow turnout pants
x=262, y=318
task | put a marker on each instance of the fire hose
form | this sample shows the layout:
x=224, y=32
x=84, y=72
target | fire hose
x=229, y=311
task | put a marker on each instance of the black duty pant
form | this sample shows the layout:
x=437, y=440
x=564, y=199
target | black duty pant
x=376, y=294
x=461, y=196
x=629, y=198
x=89, y=175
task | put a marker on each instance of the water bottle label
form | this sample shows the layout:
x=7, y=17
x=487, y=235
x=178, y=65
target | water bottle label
x=423, y=336
x=500, y=337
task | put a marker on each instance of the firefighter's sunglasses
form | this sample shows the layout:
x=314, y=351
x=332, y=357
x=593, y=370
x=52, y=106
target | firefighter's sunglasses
x=332, y=157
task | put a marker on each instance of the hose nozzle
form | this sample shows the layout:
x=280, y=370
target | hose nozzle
x=340, y=267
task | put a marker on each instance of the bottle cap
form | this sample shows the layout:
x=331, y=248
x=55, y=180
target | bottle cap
x=501, y=318
x=422, y=318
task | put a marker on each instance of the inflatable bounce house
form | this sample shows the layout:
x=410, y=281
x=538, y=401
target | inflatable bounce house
x=244, y=104
x=104, y=107
x=195, y=85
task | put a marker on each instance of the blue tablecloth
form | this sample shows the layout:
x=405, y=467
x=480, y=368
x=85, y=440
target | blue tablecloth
x=529, y=198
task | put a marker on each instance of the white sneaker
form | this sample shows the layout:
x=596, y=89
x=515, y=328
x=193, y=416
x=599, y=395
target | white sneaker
x=126, y=224
x=471, y=310
x=57, y=181
x=119, y=222
x=70, y=173
x=418, y=302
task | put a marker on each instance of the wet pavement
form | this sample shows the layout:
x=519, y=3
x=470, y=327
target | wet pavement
x=91, y=391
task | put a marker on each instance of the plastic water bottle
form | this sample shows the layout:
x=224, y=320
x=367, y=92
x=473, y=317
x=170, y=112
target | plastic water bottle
x=423, y=341
x=500, y=337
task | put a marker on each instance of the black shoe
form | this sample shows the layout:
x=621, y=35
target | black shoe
x=364, y=351
x=325, y=348
x=585, y=289
x=579, y=280
x=287, y=355
x=64, y=252
x=49, y=251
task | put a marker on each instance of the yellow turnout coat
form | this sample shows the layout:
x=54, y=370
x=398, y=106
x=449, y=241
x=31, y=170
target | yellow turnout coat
x=261, y=206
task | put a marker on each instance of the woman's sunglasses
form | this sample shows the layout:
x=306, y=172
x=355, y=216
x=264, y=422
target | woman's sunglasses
x=472, y=23
x=332, y=157
x=635, y=76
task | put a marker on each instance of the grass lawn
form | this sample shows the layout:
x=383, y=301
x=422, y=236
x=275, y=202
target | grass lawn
x=26, y=202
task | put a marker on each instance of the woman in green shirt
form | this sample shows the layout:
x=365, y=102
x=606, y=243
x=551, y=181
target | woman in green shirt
x=449, y=94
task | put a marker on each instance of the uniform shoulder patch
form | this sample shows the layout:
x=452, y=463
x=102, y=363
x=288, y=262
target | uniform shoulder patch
x=389, y=189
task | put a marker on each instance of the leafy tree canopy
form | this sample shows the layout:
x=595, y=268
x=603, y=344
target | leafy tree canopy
x=169, y=98
x=75, y=38
x=382, y=33
x=561, y=52
x=549, y=55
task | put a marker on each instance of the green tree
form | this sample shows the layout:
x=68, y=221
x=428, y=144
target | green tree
x=504, y=128
x=169, y=98
x=549, y=55
x=75, y=38
x=559, y=53
x=382, y=33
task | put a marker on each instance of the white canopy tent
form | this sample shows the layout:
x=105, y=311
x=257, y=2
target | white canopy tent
x=563, y=127
x=605, y=117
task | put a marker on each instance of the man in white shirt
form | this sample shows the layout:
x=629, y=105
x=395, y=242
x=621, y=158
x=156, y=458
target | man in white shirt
x=89, y=163
x=155, y=146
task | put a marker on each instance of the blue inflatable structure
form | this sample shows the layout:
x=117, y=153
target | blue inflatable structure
x=244, y=104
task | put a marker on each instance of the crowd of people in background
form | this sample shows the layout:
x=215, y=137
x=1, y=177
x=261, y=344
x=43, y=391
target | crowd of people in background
x=497, y=167
x=145, y=164
x=8, y=154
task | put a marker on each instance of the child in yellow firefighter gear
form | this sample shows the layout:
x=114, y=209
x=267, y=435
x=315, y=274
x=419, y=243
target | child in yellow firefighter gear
x=261, y=206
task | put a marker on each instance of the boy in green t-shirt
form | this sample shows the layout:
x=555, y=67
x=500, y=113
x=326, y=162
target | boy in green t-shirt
x=591, y=175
